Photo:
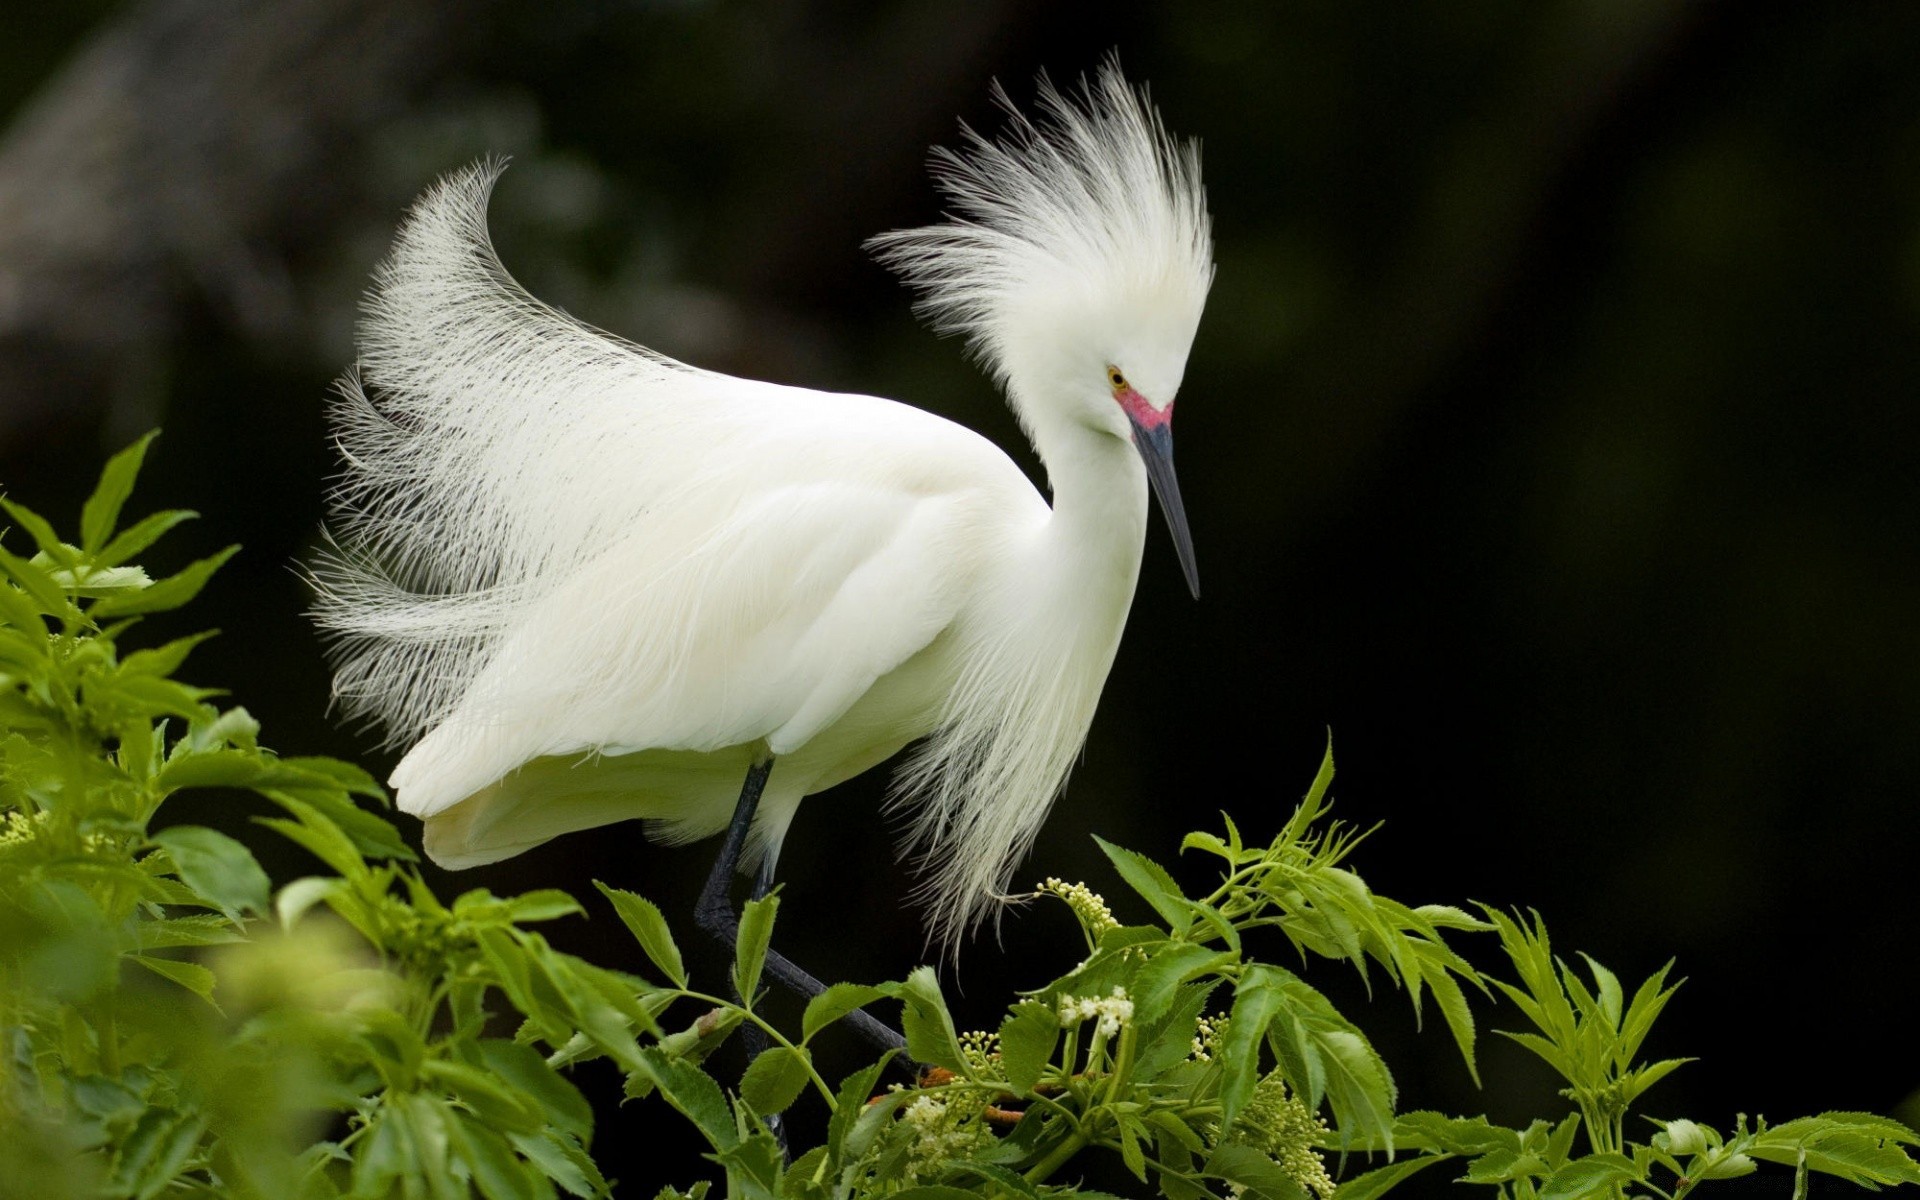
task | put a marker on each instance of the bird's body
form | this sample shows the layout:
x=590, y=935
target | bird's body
x=597, y=584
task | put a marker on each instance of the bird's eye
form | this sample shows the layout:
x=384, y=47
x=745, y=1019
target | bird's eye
x=1116, y=379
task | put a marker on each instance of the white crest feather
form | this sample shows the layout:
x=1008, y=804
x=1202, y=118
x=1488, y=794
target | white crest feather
x=1091, y=206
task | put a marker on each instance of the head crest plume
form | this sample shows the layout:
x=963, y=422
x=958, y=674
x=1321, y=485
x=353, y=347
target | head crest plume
x=1091, y=206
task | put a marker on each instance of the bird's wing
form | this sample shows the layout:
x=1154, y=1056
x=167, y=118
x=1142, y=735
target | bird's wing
x=759, y=616
x=537, y=518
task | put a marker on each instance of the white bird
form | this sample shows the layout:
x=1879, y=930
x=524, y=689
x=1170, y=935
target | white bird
x=589, y=583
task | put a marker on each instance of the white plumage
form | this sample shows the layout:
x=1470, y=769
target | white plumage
x=589, y=583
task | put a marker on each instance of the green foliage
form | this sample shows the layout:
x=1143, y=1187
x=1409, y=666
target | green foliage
x=173, y=1024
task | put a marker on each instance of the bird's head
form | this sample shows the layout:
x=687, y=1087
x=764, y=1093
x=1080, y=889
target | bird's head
x=1077, y=266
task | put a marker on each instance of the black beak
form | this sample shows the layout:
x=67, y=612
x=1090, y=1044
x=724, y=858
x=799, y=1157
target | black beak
x=1155, y=444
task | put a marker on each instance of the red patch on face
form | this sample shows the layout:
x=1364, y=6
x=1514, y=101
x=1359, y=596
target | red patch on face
x=1145, y=415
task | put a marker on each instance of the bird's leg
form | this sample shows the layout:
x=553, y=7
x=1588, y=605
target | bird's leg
x=715, y=914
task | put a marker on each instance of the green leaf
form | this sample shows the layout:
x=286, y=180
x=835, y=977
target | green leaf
x=371, y=834
x=496, y=1105
x=1452, y=1001
x=927, y=1023
x=1027, y=1039
x=644, y=921
x=320, y=836
x=1256, y=1002
x=1254, y=1171
x=169, y=593
x=1323, y=1051
x=192, y=976
x=836, y=1002
x=19, y=613
x=217, y=866
x=546, y=904
x=1589, y=1176
x=163, y=660
x=155, y=1152
x=140, y=535
x=1378, y=1182
x=1455, y=1135
x=102, y=509
x=1154, y=885
x=521, y=1067
x=775, y=1079
x=1165, y=1044
x=750, y=945
x=302, y=894
x=564, y=1161
x=496, y=1170
x=693, y=1093
x=1159, y=981
x=38, y=585
x=851, y=1101
x=58, y=553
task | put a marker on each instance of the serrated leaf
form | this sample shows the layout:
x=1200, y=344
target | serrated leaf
x=38, y=586
x=102, y=509
x=546, y=904
x=927, y=1023
x=1165, y=1044
x=648, y=926
x=522, y=1067
x=775, y=1079
x=1586, y=1177
x=691, y=1091
x=140, y=535
x=1254, y=1171
x=169, y=593
x=1027, y=1039
x=851, y=1101
x=564, y=1161
x=497, y=1105
x=750, y=945
x=836, y=1002
x=154, y=1152
x=1152, y=882
x=218, y=867
x=495, y=1169
x=1456, y=1135
x=58, y=553
x=1156, y=984
x=1378, y=1182
x=1310, y=1036
x=1256, y=1002
x=192, y=976
x=163, y=660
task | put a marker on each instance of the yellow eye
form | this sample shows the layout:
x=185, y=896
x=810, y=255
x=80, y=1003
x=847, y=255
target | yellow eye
x=1116, y=380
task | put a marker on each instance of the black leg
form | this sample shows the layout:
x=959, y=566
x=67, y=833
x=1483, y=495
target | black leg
x=715, y=914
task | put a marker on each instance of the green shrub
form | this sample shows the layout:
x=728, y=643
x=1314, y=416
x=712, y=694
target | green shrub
x=174, y=1024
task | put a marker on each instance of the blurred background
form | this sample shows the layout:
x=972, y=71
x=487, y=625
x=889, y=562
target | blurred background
x=1550, y=437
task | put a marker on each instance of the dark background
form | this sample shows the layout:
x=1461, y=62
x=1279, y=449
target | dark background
x=1550, y=436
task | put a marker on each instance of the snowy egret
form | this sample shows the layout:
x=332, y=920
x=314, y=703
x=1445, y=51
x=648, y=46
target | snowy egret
x=589, y=583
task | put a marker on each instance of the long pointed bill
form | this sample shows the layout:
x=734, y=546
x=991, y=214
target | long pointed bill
x=1154, y=440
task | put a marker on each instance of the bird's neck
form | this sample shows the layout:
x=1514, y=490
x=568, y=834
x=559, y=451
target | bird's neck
x=1093, y=542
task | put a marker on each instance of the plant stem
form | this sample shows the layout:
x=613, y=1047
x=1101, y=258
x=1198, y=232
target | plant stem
x=1058, y=1157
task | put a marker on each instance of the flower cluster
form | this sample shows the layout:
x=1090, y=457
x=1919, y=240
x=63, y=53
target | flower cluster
x=1112, y=1011
x=941, y=1132
x=980, y=1048
x=1280, y=1125
x=1207, y=1034
x=1095, y=917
